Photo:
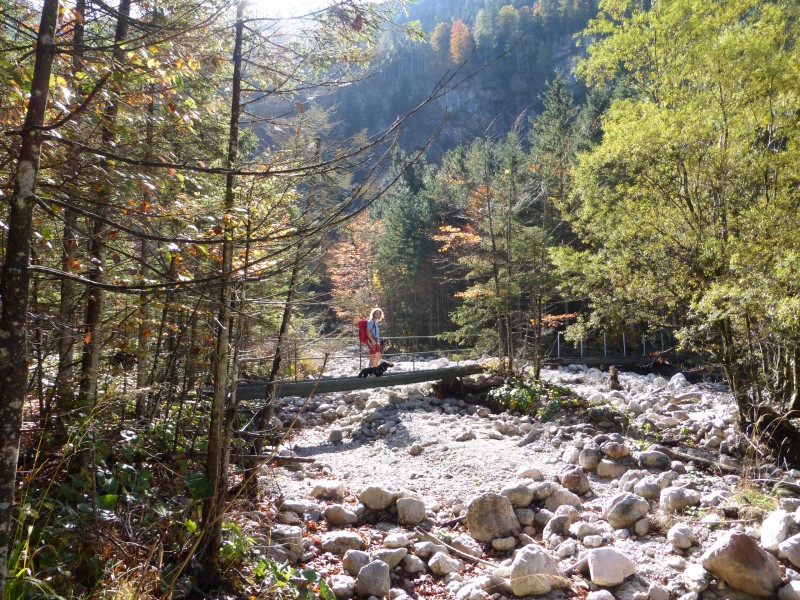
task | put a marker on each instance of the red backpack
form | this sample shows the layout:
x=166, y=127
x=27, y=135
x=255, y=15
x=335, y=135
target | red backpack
x=362, y=331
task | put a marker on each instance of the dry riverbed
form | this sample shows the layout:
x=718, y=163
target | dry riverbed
x=410, y=495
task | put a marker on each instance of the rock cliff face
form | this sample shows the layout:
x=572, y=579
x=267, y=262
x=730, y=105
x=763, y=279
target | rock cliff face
x=498, y=88
x=500, y=96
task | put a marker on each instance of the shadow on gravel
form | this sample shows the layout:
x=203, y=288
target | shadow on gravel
x=400, y=438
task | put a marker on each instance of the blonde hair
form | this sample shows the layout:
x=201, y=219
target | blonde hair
x=373, y=311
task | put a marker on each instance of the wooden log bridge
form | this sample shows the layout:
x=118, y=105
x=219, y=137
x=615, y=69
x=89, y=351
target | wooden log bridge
x=257, y=391
x=658, y=359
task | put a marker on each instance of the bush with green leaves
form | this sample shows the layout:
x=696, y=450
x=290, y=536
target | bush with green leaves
x=545, y=401
x=284, y=582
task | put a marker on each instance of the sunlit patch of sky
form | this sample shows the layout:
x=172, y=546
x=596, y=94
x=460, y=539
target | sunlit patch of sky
x=286, y=8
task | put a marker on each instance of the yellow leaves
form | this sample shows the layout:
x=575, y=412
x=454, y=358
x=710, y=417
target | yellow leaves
x=196, y=249
x=473, y=293
x=187, y=63
x=452, y=237
x=556, y=320
x=450, y=179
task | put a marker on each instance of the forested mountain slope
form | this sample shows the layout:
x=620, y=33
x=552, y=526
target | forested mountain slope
x=522, y=43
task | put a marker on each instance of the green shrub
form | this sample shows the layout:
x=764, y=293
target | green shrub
x=543, y=400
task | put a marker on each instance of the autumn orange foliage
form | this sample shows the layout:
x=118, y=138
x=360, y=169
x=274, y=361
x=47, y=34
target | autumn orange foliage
x=355, y=285
x=461, y=42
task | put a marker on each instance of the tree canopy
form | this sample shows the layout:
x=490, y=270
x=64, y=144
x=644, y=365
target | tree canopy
x=687, y=208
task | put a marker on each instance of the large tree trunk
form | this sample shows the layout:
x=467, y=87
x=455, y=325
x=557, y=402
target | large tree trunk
x=145, y=254
x=538, y=351
x=777, y=433
x=794, y=378
x=166, y=347
x=218, y=446
x=64, y=389
x=15, y=280
x=772, y=430
x=90, y=364
x=737, y=378
x=267, y=411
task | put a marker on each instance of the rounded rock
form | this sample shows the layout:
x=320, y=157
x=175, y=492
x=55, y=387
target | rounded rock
x=410, y=511
x=642, y=527
x=373, y=580
x=609, y=567
x=791, y=591
x=589, y=458
x=625, y=509
x=647, y=488
x=413, y=564
x=600, y=595
x=575, y=480
x=442, y=564
x=653, y=459
x=353, y=560
x=739, y=561
x=562, y=497
x=681, y=536
x=490, y=516
x=391, y=556
x=673, y=499
x=519, y=494
x=696, y=578
x=328, y=489
x=505, y=544
x=790, y=549
x=377, y=498
x=610, y=469
x=534, y=572
x=615, y=450
x=337, y=515
x=339, y=542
